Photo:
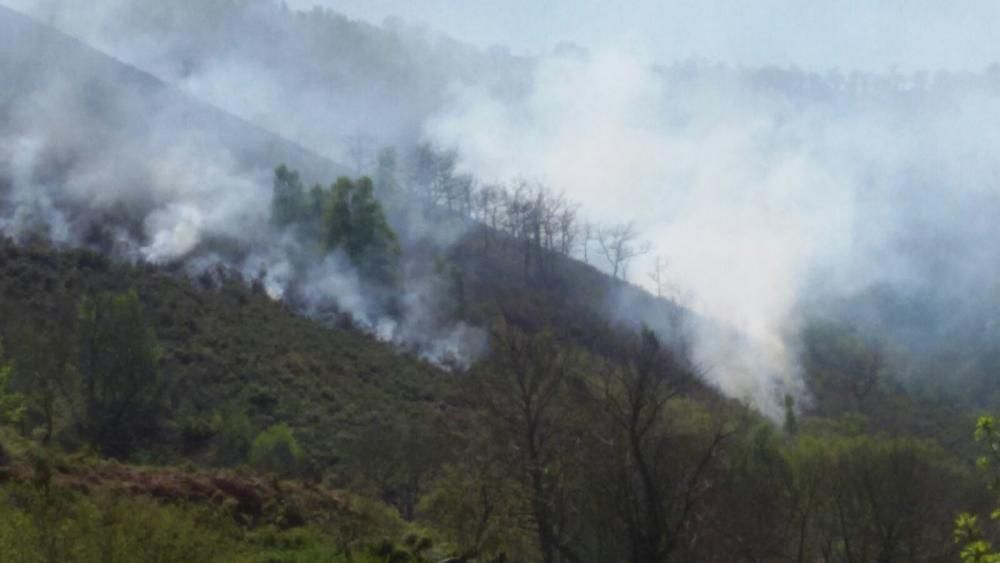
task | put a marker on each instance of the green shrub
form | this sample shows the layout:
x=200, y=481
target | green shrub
x=234, y=435
x=12, y=406
x=276, y=450
x=56, y=526
x=303, y=545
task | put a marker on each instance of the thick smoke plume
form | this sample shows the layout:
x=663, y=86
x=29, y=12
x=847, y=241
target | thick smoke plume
x=761, y=190
x=769, y=194
x=94, y=153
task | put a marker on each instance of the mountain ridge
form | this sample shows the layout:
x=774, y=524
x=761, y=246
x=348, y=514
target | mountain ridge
x=18, y=31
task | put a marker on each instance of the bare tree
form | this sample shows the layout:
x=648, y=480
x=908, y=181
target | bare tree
x=558, y=217
x=359, y=151
x=550, y=227
x=455, y=193
x=656, y=502
x=548, y=206
x=522, y=220
x=656, y=275
x=619, y=244
x=677, y=318
x=523, y=386
x=464, y=188
x=515, y=205
x=488, y=205
x=432, y=173
x=867, y=369
x=680, y=323
x=567, y=228
x=587, y=234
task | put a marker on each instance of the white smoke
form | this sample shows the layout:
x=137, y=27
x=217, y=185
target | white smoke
x=754, y=186
x=103, y=155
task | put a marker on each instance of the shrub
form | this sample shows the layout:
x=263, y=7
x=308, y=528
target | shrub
x=233, y=435
x=61, y=526
x=276, y=450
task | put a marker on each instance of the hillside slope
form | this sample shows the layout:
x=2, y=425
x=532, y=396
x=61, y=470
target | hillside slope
x=229, y=347
x=34, y=56
x=576, y=434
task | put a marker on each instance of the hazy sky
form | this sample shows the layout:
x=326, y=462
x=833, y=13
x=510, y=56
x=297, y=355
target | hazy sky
x=812, y=34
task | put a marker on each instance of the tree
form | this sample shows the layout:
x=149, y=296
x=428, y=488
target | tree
x=487, y=209
x=866, y=372
x=587, y=235
x=557, y=223
x=45, y=364
x=656, y=275
x=884, y=499
x=481, y=507
x=566, y=218
x=521, y=220
x=359, y=152
x=118, y=373
x=619, y=245
x=656, y=502
x=275, y=450
x=386, y=177
x=791, y=425
x=431, y=172
x=398, y=458
x=522, y=387
x=969, y=534
x=356, y=224
x=12, y=405
x=759, y=501
x=316, y=205
x=851, y=362
x=233, y=435
x=288, y=203
x=458, y=195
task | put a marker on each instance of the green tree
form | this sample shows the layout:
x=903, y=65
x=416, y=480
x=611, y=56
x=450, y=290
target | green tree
x=234, y=435
x=12, y=405
x=118, y=372
x=969, y=534
x=884, y=499
x=356, y=224
x=44, y=362
x=760, y=477
x=846, y=362
x=397, y=458
x=317, y=203
x=791, y=420
x=288, y=203
x=480, y=508
x=276, y=450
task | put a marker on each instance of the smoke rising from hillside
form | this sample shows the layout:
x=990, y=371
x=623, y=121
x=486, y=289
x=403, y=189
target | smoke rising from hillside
x=767, y=192
x=93, y=153
x=760, y=189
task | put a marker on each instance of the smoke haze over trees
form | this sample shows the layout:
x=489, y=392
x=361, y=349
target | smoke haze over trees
x=768, y=192
x=446, y=301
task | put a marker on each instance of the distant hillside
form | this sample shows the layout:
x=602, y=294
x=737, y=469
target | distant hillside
x=334, y=84
x=125, y=103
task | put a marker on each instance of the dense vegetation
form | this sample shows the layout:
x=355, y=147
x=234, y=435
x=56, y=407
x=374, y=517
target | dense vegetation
x=183, y=412
x=572, y=439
